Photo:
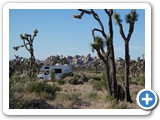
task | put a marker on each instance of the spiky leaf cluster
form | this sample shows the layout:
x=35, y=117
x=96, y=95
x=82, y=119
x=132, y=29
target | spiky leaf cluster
x=131, y=17
x=117, y=18
x=97, y=44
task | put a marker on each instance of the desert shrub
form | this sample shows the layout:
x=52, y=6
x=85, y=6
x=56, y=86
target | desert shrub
x=75, y=95
x=47, y=96
x=36, y=87
x=43, y=87
x=49, y=92
x=16, y=78
x=108, y=97
x=77, y=76
x=92, y=95
x=141, y=80
x=122, y=105
x=98, y=78
x=98, y=85
x=56, y=88
x=101, y=84
x=63, y=96
x=30, y=104
x=117, y=105
x=68, y=78
x=18, y=87
x=61, y=81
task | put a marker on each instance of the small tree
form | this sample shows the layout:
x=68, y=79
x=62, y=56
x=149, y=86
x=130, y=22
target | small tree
x=52, y=75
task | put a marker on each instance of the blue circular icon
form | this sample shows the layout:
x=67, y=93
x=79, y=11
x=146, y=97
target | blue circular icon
x=147, y=99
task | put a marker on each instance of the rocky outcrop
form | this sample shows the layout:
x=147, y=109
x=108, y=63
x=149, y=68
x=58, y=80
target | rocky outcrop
x=76, y=60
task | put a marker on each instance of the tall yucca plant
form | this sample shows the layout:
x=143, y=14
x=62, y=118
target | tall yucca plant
x=130, y=18
x=28, y=44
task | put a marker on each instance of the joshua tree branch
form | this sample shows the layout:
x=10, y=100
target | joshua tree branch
x=110, y=25
x=82, y=11
x=131, y=28
x=102, y=50
x=25, y=44
x=106, y=11
x=95, y=15
x=98, y=30
x=30, y=37
x=110, y=13
x=99, y=50
x=121, y=31
x=101, y=56
x=85, y=11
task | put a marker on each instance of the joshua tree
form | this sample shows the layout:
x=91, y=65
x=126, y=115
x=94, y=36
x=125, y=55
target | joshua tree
x=108, y=55
x=131, y=18
x=28, y=44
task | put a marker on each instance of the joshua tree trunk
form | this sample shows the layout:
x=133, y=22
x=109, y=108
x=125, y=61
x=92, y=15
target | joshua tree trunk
x=32, y=58
x=113, y=73
x=112, y=57
x=108, y=81
x=127, y=59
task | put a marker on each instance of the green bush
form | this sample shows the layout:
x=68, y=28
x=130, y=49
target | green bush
x=18, y=87
x=97, y=85
x=141, y=80
x=76, y=76
x=47, y=96
x=108, y=97
x=41, y=87
x=61, y=81
x=63, y=96
x=36, y=87
x=98, y=78
x=30, y=104
x=16, y=78
x=100, y=84
x=92, y=95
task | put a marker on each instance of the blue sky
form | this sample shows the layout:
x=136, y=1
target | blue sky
x=59, y=33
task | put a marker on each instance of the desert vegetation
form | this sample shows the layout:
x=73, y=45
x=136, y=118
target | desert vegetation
x=104, y=83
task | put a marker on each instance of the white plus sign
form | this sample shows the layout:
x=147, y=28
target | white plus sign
x=147, y=99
